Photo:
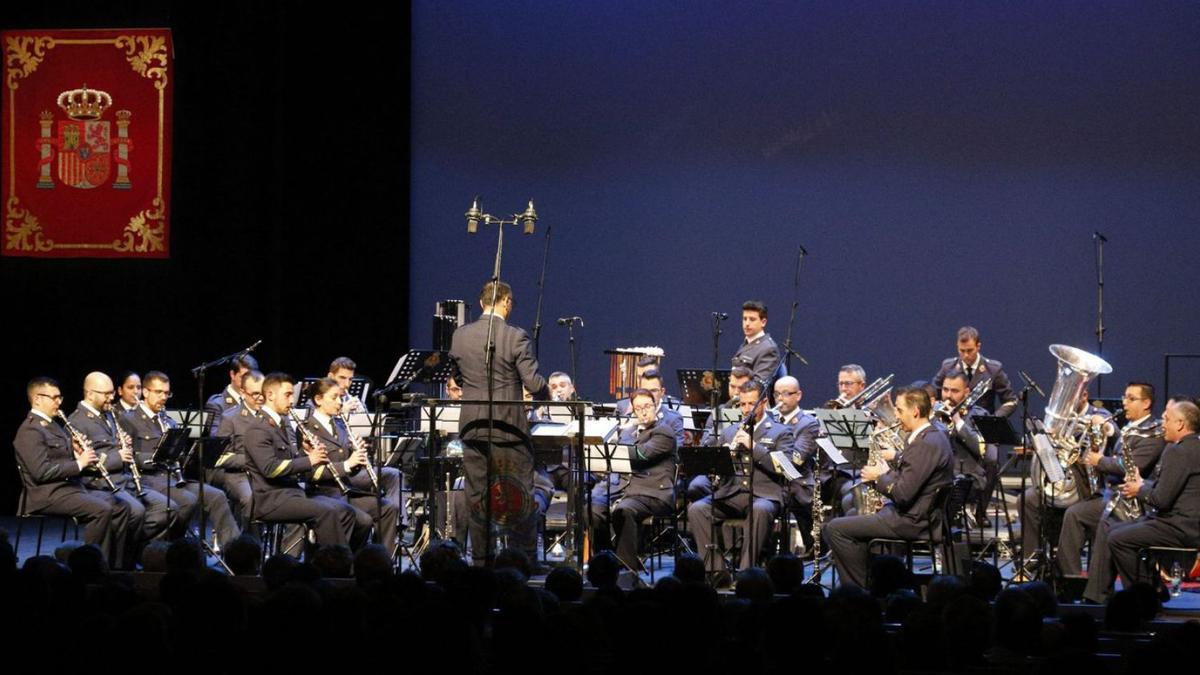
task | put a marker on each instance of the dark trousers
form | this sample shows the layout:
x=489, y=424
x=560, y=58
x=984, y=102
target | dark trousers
x=1125, y=540
x=849, y=538
x=369, y=509
x=236, y=485
x=1101, y=575
x=333, y=520
x=755, y=532
x=627, y=512
x=187, y=496
x=511, y=510
x=1079, y=526
x=105, y=519
x=1031, y=521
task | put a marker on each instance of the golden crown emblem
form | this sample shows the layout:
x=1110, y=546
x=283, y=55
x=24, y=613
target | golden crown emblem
x=84, y=104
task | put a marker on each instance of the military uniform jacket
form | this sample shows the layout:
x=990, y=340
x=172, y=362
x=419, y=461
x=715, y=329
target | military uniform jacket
x=805, y=429
x=514, y=365
x=274, y=461
x=104, y=441
x=965, y=438
x=233, y=426
x=768, y=436
x=218, y=407
x=44, y=449
x=1176, y=493
x=146, y=431
x=667, y=416
x=339, y=447
x=760, y=355
x=1000, y=389
x=653, y=458
x=925, y=466
x=1146, y=442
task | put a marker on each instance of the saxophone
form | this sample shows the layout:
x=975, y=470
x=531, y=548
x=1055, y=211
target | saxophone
x=871, y=500
x=1123, y=508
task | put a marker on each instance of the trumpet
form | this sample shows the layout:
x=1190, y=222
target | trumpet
x=314, y=442
x=358, y=443
x=87, y=445
x=124, y=442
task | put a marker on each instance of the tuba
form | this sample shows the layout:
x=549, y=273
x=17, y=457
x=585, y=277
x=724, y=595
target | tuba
x=1064, y=424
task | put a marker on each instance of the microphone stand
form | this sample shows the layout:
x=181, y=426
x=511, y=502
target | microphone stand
x=570, y=324
x=1100, y=240
x=537, y=319
x=787, y=345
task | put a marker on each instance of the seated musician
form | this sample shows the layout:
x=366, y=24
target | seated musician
x=277, y=467
x=965, y=440
x=1143, y=438
x=52, y=466
x=342, y=370
x=805, y=429
x=648, y=491
x=851, y=382
x=230, y=473
x=1171, y=504
x=348, y=457
x=754, y=493
x=147, y=425
x=129, y=392
x=925, y=466
x=699, y=487
x=224, y=403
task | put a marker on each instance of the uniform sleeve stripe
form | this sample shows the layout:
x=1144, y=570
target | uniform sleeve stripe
x=281, y=468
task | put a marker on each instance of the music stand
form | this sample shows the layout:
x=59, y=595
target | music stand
x=697, y=385
x=436, y=365
x=715, y=462
x=850, y=431
x=995, y=430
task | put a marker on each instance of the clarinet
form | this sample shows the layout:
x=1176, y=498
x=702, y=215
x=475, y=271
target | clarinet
x=124, y=442
x=86, y=445
x=818, y=513
x=357, y=442
x=314, y=442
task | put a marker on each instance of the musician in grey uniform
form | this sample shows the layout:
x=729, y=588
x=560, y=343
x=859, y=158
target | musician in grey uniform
x=277, y=467
x=147, y=424
x=129, y=392
x=230, y=472
x=648, y=491
x=699, y=487
x=758, y=351
x=805, y=429
x=965, y=440
x=226, y=402
x=926, y=465
x=1000, y=400
x=52, y=466
x=350, y=461
x=94, y=419
x=754, y=493
x=1172, y=503
x=1031, y=511
x=1143, y=437
x=499, y=446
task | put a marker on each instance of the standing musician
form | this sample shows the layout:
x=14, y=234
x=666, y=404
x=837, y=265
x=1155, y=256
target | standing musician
x=129, y=394
x=52, y=466
x=732, y=497
x=1172, y=503
x=277, y=467
x=926, y=465
x=965, y=440
x=758, y=351
x=226, y=402
x=497, y=447
x=230, y=472
x=648, y=491
x=95, y=420
x=350, y=460
x=148, y=424
x=1143, y=437
x=1031, y=512
x=805, y=429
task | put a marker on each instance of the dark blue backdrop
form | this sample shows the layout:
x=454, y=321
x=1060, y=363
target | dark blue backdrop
x=944, y=164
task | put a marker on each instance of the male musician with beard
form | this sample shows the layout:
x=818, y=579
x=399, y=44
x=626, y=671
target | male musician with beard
x=805, y=429
x=52, y=466
x=497, y=454
x=758, y=351
x=926, y=465
x=1031, y=511
x=965, y=440
x=699, y=487
x=648, y=491
x=1172, y=503
x=230, y=472
x=148, y=424
x=1143, y=435
x=226, y=402
x=277, y=467
x=350, y=462
x=755, y=470
x=94, y=419
x=129, y=394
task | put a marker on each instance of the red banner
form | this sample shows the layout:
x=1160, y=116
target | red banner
x=87, y=143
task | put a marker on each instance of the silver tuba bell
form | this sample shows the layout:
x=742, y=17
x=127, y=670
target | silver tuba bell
x=1063, y=422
